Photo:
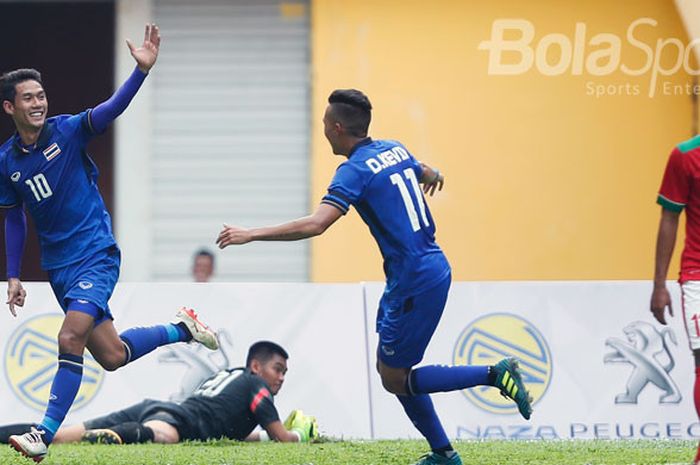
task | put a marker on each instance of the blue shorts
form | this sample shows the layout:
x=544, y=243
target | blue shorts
x=89, y=281
x=406, y=325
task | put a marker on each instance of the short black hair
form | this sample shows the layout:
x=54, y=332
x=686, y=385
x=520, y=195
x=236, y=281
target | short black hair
x=10, y=80
x=204, y=252
x=353, y=110
x=262, y=351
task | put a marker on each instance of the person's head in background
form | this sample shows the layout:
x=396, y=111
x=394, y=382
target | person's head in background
x=203, y=266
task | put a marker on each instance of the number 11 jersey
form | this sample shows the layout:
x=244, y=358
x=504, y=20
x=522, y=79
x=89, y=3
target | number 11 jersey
x=381, y=180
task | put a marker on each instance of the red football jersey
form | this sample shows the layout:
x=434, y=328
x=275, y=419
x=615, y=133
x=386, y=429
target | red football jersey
x=680, y=189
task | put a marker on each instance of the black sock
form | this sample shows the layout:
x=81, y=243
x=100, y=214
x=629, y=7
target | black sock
x=446, y=451
x=133, y=432
x=10, y=430
x=491, y=377
x=186, y=329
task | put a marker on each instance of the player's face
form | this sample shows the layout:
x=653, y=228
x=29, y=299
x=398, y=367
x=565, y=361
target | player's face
x=30, y=106
x=330, y=130
x=272, y=372
x=203, y=268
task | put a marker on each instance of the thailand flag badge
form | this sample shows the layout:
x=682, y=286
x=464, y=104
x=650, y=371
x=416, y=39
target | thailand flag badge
x=52, y=151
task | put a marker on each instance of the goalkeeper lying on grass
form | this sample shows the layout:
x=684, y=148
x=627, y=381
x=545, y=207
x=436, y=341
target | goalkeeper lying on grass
x=230, y=404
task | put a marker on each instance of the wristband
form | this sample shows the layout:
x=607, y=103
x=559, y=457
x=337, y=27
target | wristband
x=297, y=434
x=437, y=176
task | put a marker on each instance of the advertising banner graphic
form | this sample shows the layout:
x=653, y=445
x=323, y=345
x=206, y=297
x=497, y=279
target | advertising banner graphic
x=321, y=326
x=595, y=361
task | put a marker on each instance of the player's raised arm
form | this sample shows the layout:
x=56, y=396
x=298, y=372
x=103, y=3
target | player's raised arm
x=301, y=228
x=145, y=56
x=431, y=179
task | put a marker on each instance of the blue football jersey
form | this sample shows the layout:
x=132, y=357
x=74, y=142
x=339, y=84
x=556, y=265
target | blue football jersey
x=381, y=180
x=57, y=182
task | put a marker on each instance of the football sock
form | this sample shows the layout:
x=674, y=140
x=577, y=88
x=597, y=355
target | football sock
x=447, y=452
x=133, y=432
x=65, y=386
x=420, y=410
x=12, y=430
x=442, y=378
x=140, y=341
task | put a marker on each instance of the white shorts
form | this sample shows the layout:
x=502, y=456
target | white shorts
x=690, y=294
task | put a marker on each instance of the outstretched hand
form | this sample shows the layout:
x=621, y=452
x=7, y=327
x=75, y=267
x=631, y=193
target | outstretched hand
x=147, y=54
x=304, y=425
x=232, y=235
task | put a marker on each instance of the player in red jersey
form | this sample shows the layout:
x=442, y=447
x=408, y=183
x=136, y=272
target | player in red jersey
x=680, y=189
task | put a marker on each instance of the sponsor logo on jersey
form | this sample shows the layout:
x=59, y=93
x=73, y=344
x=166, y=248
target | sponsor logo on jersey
x=647, y=350
x=15, y=176
x=52, y=151
x=85, y=285
x=31, y=359
x=493, y=337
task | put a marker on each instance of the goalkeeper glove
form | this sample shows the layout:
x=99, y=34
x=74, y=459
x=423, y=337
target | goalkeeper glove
x=304, y=425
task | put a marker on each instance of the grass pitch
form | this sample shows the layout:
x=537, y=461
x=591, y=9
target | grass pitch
x=366, y=453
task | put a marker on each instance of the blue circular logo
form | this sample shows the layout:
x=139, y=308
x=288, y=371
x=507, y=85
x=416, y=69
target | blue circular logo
x=31, y=360
x=493, y=337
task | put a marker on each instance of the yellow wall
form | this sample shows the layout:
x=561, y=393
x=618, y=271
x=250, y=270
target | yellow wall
x=543, y=180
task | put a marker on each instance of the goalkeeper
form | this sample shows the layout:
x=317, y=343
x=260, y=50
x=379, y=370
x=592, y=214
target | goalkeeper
x=230, y=404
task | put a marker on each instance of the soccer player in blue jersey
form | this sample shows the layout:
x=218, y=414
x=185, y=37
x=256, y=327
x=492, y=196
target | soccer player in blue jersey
x=381, y=179
x=45, y=168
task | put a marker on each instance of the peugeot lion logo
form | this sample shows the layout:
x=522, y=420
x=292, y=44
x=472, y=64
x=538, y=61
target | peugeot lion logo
x=646, y=349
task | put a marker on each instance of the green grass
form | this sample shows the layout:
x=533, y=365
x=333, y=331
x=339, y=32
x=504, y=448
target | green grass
x=366, y=453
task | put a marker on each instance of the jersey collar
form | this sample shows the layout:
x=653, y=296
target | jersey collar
x=41, y=142
x=365, y=141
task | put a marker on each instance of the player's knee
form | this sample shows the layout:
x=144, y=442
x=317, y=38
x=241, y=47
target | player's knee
x=111, y=365
x=71, y=342
x=394, y=384
x=112, y=359
x=111, y=362
x=163, y=433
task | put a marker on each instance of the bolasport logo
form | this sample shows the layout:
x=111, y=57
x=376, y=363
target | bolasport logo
x=513, y=50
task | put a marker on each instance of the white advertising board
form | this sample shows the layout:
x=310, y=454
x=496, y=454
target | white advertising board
x=596, y=362
x=321, y=326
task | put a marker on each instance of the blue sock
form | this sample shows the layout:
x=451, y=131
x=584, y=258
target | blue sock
x=442, y=378
x=422, y=413
x=65, y=386
x=140, y=341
